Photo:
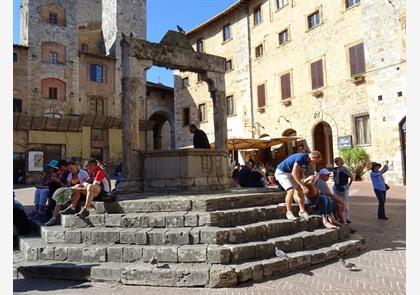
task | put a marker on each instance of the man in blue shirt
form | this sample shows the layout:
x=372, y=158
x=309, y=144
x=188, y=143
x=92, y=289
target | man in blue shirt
x=290, y=175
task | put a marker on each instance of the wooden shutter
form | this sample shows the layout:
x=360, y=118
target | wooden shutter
x=317, y=74
x=261, y=96
x=92, y=72
x=357, y=59
x=285, y=86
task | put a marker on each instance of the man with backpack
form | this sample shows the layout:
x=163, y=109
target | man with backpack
x=97, y=186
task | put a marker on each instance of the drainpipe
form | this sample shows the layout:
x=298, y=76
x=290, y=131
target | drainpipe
x=246, y=9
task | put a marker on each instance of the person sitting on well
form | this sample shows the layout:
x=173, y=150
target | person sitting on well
x=96, y=186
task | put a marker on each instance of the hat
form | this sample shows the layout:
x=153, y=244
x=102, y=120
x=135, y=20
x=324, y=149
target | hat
x=53, y=164
x=374, y=164
x=324, y=171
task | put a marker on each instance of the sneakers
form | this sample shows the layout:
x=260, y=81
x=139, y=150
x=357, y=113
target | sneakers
x=304, y=215
x=290, y=216
x=83, y=213
x=52, y=221
x=68, y=211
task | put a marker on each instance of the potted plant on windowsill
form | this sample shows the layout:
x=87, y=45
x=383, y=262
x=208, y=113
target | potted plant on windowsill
x=358, y=78
x=318, y=93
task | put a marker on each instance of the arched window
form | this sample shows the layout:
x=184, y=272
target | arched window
x=97, y=106
x=53, y=53
x=53, y=89
x=53, y=14
x=289, y=132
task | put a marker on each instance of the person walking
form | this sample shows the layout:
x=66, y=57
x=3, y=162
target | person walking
x=290, y=175
x=379, y=186
x=342, y=182
x=200, y=139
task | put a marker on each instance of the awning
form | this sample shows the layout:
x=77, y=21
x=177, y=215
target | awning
x=239, y=143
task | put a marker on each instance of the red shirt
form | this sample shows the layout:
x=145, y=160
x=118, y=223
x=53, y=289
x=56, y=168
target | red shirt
x=99, y=175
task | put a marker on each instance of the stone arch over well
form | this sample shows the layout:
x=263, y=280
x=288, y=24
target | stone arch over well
x=159, y=122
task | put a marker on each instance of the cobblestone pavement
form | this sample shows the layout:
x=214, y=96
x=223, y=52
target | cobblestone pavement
x=382, y=266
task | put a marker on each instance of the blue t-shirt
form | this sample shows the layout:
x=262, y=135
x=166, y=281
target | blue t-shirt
x=378, y=181
x=287, y=164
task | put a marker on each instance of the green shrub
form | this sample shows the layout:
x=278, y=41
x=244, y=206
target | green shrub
x=357, y=159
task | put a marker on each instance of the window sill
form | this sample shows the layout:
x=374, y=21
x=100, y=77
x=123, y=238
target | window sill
x=256, y=25
x=261, y=109
x=287, y=101
x=227, y=41
x=283, y=44
x=229, y=71
x=350, y=8
x=281, y=8
x=314, y=27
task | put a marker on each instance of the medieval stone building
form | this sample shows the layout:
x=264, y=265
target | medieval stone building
x=67, y=83
x=331, y=72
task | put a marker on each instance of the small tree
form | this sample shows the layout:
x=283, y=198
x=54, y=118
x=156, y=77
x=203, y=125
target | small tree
x=357, y=160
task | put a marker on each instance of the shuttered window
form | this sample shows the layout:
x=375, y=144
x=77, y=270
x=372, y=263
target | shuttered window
x=317, y=74
x=261, y=96
x=285, y=86
x=357, y=59
x=52, y=93
x=226, y=32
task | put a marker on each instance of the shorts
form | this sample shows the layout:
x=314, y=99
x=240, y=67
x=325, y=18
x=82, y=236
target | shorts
x=102, y=194
x=286, y=180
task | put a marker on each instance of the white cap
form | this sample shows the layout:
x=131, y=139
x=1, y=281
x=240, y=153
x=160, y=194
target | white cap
x=324, y=171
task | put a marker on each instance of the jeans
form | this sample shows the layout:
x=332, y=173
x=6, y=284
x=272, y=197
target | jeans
x=323, y=204
x=381, y=196
x=41, y=196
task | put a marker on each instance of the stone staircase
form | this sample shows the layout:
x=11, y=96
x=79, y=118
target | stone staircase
x=214, y=240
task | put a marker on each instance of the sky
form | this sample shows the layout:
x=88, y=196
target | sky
x=162, y=15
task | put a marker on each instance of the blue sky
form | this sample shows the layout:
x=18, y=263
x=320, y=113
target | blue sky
x=162, y=15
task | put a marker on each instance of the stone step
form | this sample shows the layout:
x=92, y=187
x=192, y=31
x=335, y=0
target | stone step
x=188, y=274
x=201, y=203
x=36, y=249
x=179, y=236
x=222, y=218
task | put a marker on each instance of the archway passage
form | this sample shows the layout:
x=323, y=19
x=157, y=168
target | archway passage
x=402, y=129
x=322, y=138
x=162, y=132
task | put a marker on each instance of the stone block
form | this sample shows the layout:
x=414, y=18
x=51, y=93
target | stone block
x=242, y=252
x=94, y=253
x=310, y=239
x=264, y=249
x=177, y=236
x=236, y=236
x=342, y=247
x=157, y=220
x=191, y=219
x=216, y=218
x=275, y=266
x=163, y=253
x=157, y=236
x=344, y=232
x=257, y=271
x=114, y=253
x=86, y=234
x=214, y=235
x=299, y=260
x=204, y=204
x=46, y=253
x=72, y=236
x=75, y=253
x=113, y=220
x=105, y=236
x=277, y=228
x=110, y=272
x=222, y=276
x=197, y=275
x=61, y=253
x=218, y=254
x=132, y=253
x=318, y=256
x=128, y=236
x=192, y=253
x=195, y=235
x=289, y=243
x=136, y=220
x=329, y=236
x=175, y=219
x=52, y=235
x=330, y=253
x=141, y=236
x=254, y=232
x=243, y=272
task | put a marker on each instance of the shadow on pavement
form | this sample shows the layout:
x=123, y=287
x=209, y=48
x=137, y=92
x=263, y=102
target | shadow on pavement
x=27, y=285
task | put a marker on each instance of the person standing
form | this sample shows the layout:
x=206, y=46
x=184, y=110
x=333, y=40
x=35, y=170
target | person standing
x=290, y=175
x=342, y=182
x=200, y=139
x=379, y=186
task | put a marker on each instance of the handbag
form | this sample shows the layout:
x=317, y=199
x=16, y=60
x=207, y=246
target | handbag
x=386, y=186
x=340, y=188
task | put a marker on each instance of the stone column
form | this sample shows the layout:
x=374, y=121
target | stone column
x=133, y=90
x=216, y=83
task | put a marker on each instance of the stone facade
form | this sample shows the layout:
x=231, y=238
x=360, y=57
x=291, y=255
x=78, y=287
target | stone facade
x=319, y=119
x=85, y=119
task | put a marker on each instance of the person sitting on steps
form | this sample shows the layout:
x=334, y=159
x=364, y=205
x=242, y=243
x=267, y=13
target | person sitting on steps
x=322, y=202
x=289, y=174
x=96, y=186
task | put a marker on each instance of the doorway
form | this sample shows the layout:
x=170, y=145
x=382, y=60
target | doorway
x=322, y=138
x=402, y=129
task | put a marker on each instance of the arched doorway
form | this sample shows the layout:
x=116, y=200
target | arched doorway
x=402, y=129
x=162, y=133
x=322, y=138
x=290, y=147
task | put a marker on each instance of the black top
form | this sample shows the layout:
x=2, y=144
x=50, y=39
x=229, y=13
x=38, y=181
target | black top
x=200, y=140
